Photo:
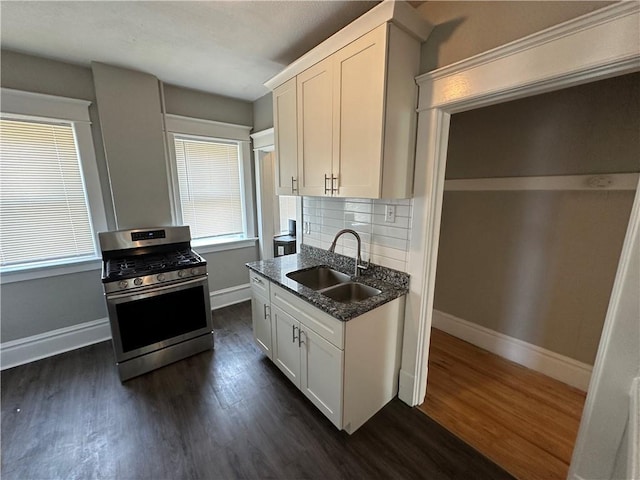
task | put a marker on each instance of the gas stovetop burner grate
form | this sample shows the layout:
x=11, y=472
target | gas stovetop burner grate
x=140, y=265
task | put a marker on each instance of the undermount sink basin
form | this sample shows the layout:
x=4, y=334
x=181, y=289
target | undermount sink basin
x=350, y=292
x=317, y=278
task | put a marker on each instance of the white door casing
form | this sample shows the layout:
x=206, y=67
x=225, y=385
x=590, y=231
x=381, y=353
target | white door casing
x=593, y=47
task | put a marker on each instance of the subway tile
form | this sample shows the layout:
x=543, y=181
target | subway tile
x=392, y=232
x=395, y=253
x=337, y=214
x=390, y=242
x=332, y=222
x=389, y=263
x=351, y=206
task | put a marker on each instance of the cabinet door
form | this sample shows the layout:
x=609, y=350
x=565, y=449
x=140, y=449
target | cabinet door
x=314, y=87
x=321, y=371
x=358, y=105
x=286, y=138
x=286, y=352
x=261, y=319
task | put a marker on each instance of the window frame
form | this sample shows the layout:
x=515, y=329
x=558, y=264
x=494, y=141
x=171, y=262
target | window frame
x=37, y=107
x=208, y=130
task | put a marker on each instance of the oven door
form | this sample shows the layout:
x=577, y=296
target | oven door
x=143, y=322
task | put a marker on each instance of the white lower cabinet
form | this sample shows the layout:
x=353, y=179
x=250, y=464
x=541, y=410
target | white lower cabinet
x=312, y=363
x=348, y=370
x=321, y=368
x=261, y=314
x=286, y=351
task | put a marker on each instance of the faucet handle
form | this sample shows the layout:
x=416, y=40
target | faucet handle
x=362, y=265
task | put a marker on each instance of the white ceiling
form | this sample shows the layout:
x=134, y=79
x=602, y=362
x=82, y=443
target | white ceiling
x=226, y=47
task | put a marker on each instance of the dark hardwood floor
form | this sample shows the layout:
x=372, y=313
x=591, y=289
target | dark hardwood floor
x=224, y=414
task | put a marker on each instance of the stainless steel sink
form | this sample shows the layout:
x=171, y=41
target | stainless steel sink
x=317, y=278
x=350, y=292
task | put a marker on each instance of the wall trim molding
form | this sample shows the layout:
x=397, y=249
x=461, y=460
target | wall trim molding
x=230, y=296
x=209, y=128
x=569, y=27
x=43, y=345
x=264, y=139
x=40, y=105
x=552, y=364
x=47, y=344
x=595, y=182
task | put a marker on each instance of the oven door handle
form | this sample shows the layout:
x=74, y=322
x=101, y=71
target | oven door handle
x=154, y=289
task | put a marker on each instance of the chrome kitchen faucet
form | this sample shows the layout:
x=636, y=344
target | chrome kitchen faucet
x=359, y=264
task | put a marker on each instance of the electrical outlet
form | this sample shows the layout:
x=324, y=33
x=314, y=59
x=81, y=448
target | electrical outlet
x=389, y=213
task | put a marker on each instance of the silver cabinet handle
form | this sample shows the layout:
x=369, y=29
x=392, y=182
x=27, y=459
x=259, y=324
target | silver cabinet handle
x=293, y=335
x=256, y=280
x=266, y=307
x=330, y=189
x=334, y=190
x=300, y=341
x=294, y=181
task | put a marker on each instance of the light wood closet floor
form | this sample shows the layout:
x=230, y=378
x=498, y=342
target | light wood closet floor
x=524, y=421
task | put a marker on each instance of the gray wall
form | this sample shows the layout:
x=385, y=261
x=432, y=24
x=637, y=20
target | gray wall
x=193, y=103
x=592, y=128
x=464, y=29
x=539, y=265
x=35, y=306
x=227, y=269
x=132, y=132
x=263, y=113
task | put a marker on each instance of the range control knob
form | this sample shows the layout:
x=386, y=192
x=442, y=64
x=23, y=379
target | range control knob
x=122, y=284
x=194, y=271
x=138, y=281
x=182, y=273
x=160, y=277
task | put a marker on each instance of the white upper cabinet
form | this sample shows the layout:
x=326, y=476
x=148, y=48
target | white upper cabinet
x=355, y=112
x=358, y=115
x=315, y=148
x=286, y=138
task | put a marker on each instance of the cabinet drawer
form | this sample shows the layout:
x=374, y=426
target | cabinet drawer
x=259, y=284
x=321, y=323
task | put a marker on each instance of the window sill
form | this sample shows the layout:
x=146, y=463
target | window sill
x=21, y=274
x=208, y=245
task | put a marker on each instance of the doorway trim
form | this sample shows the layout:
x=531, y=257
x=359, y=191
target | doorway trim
x=592, y=47
x=263, y=145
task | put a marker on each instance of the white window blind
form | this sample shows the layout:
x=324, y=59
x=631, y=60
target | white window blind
x=209, y=186
x=44, y=214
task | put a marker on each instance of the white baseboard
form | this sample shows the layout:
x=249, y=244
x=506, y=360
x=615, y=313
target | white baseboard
x=230, y=296
x=29, y=349
x=554, y=365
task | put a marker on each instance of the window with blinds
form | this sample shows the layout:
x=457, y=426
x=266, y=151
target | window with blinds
x=209, y=186
x=44, y=213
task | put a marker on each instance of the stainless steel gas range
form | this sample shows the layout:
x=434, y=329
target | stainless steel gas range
x=157, y=294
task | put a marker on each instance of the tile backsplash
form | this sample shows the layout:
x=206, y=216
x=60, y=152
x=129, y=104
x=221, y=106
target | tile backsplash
x=384, y=243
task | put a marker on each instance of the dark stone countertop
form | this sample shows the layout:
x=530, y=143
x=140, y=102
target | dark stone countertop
x=392, y=283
